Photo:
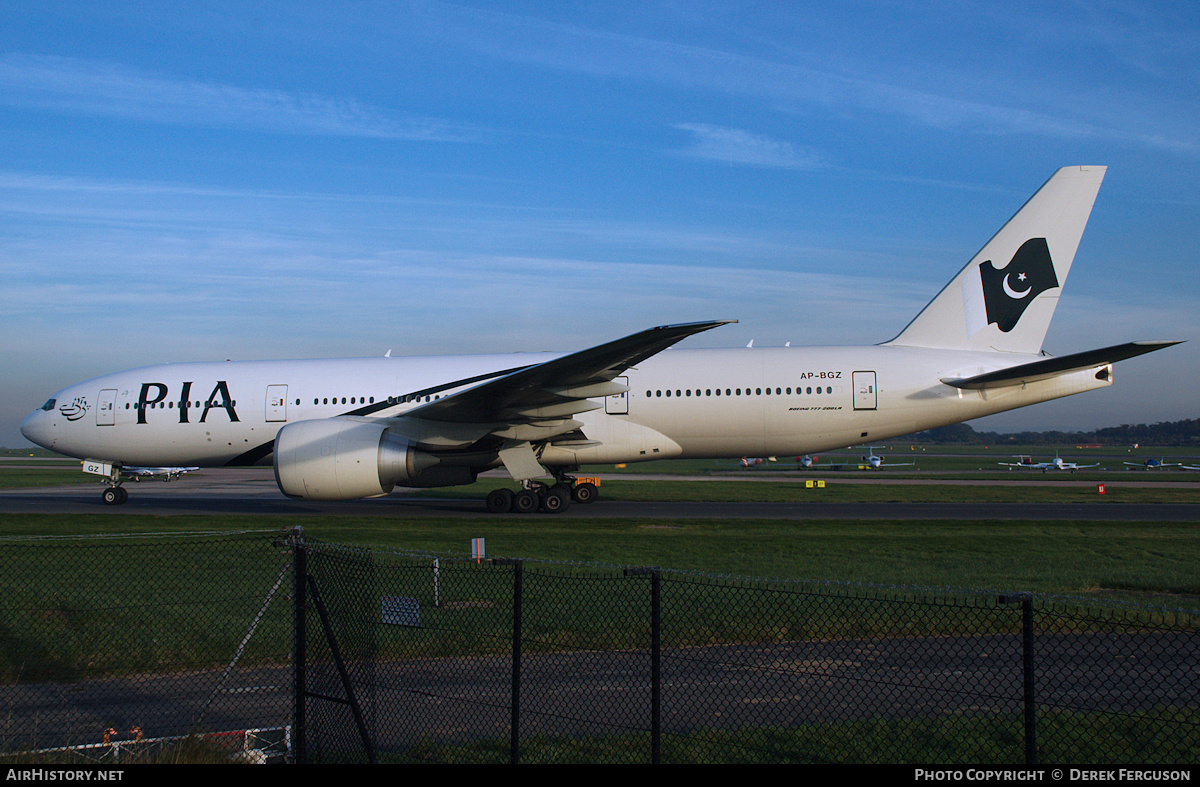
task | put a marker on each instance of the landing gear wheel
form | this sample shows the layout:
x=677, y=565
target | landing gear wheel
x=585, y=493
x=500, y=501
x=526, y=501
x=556, y=500
x=114, y=496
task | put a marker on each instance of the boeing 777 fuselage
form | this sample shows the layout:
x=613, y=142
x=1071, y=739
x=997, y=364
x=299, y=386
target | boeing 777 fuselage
x=351, y=428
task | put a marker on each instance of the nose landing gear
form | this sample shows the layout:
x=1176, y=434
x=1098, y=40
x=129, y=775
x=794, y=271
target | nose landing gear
x=114, y=495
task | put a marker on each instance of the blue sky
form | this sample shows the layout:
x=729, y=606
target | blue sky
x=198, y=181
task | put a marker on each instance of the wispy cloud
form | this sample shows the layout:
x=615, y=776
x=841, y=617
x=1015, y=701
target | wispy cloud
x=89, y=251
x=798, y=82
x=735, y=146
x=99, y=88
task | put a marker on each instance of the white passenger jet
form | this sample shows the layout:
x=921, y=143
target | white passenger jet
x=355, y=428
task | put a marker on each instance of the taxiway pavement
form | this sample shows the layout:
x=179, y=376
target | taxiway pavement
x=251, y=492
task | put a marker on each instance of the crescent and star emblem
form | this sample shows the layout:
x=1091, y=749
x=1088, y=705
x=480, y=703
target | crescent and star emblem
x=1010, y=292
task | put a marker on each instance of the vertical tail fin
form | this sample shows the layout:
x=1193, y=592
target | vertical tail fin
x=1005, y=297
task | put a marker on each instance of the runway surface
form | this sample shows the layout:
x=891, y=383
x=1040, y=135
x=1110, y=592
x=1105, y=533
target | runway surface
x=252, y=492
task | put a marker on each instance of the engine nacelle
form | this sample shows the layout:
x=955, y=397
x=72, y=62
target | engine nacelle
x=342, y=459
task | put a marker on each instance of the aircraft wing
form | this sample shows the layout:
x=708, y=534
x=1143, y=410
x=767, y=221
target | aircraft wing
x=555, y=389
x=1053, y=367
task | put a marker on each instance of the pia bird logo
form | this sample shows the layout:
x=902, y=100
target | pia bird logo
x=76, y=409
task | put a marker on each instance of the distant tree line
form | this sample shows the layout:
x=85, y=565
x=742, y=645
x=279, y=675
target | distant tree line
x=1185, y=433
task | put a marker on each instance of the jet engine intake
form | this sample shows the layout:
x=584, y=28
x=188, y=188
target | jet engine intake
x=343, y=459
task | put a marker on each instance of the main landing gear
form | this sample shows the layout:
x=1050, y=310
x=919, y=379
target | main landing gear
x=536, y=496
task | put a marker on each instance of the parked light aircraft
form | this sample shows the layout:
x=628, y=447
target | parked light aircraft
x=876, y=462
x=1027, y=463
x=870, y=460
x=353, y=428
x=1158, y=464
x=755, y=461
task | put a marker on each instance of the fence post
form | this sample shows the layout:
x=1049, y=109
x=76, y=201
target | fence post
x=299, y=638
x=514, y=745
x=655, y=659
x=1027, y=670
x=655, y=665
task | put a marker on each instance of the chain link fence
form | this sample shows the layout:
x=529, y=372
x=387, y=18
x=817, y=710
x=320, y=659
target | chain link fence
x=145, y=648
x=537, y=662
x=258, y=645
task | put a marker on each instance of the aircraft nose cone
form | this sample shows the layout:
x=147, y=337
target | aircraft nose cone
x=36, y=428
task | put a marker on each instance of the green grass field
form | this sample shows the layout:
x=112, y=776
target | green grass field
x=1157, y=563
x=84, y=622
x=1152, y=561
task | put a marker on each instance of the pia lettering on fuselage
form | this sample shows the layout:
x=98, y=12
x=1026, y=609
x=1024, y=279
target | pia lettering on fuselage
x=154, y=393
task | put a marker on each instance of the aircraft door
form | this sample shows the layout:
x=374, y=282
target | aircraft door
x=865, y=391
x=106, y=407
x=277, y=402
x=618, y=404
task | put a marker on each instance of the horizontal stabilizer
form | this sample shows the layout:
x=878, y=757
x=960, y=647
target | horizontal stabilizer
x=1053, y=367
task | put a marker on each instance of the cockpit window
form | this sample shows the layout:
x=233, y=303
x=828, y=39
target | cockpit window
x=49, y=405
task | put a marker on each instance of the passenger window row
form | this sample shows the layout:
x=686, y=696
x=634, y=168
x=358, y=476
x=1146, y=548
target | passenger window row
x=371, y=399
x=799, y=391
x=334, y=400
x=182, y=405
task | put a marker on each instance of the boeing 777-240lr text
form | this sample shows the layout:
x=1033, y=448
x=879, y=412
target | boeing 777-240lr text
x=353, y=428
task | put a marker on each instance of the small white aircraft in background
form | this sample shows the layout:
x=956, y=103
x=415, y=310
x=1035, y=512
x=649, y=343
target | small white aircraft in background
x=876, y=462
x=1158, y=464
x=1027, y=463
x=871, y=460
x=755, y=461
